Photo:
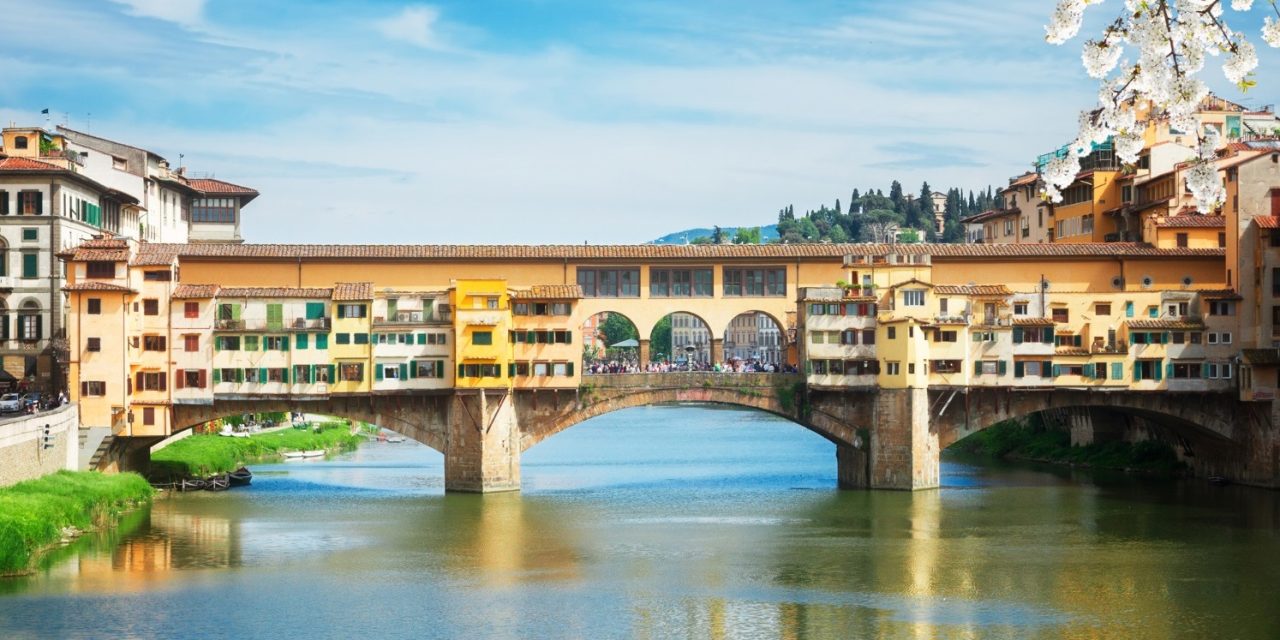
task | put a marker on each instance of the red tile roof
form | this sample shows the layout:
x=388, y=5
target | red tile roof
x=273, y=292
x=1033, y=322
x=96, y=286
x=655, y=252
x=353, y=291
x=1267, y=222
x=1193, y=222
x=27, y=164
x=549, y=292
x=1166, y=324
x=211, y=186
x=195, y=291
x=972, y=290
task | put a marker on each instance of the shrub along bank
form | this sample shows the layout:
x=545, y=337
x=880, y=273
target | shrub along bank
x=1034, y=441
x=39, y=514
x=205, y=455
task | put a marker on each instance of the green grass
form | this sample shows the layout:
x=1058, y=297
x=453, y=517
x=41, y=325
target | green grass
x=34, y=513
x=206, y=455
x=1032, y=441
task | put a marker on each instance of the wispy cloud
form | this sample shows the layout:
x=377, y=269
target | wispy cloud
x=184, y=12
x=415, y=25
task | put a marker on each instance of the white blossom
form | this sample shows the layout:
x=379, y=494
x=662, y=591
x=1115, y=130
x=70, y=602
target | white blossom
x=1271, y=32
x=1065, y=23
x=1242, y=5
x=1100, y=58
x=1242, y=62
x=1205, y=187
x=1129, y=146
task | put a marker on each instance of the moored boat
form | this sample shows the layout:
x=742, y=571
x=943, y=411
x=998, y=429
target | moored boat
x=190, y=484
x=315, y=453
x=240, y=477
x=293, y=455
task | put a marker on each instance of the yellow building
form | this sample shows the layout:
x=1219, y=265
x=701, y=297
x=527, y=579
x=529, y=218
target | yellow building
x=482, y=325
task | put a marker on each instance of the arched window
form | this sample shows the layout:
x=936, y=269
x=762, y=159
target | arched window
x=30, y=323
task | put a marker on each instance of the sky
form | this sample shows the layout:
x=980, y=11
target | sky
x=557, y=121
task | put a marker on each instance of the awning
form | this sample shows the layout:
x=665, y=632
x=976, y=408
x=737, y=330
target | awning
x=625, y=344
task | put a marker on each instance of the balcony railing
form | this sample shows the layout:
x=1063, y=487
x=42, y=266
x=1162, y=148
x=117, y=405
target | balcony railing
x=412, y=317
x=295, y=324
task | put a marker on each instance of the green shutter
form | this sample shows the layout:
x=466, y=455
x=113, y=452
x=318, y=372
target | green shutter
x=275, y=316
x=322, y=341
x=1137, y=371
x=439, y=368
x=529, y=337
x=404, y=371
x=235, y=312
x=511, y=370
x=1204, y=369
x=1047, y=369
x=1169, y=370
x=1047, y=336
x=1117, y=370
x=977, y=367
x=285, y=377
x=422, y=338
x=301, y=340
x=377, y=372
x=1158, y=369
x=1017, y=335
x=217, y=376
x=333, y=372
x=217, y=343
x=1128, y=309
x=1004, y=367
x=1153, y=312
x=413, y=369
x=262, y=375
x=315, y=310
x=1019, y=369
x=1088, y=371
x=284, y=342
x=569, y=369
x=1164, y=338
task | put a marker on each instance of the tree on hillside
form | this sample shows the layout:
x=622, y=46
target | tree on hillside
x=717, y=235
x=701, y=240
x=746, y=235
x=895, y=194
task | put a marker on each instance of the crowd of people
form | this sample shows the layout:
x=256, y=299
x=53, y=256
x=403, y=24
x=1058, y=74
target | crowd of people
x=667, y=366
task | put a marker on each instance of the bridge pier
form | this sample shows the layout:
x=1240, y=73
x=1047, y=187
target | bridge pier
x=644, y=351
x=482, y=444
x=903, y=452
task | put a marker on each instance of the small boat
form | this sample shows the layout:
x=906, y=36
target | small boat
x=190, y=484
x=293, y=455
x=240, y=477
x=1218, y=480
x=315, y=453
x=219, y=482
x=395, y=439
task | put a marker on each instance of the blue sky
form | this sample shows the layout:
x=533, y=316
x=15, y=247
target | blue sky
x=550, y=121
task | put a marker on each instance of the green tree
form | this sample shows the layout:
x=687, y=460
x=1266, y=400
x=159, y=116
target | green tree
x=808, y=230
x=745, y=235
x=617, y=328
x=895, y=194
x=701, y=240
x=660, y=340
x=838, y=234
x=717, y=235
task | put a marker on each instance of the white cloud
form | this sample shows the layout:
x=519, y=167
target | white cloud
x=415, y=25
x=184, y=12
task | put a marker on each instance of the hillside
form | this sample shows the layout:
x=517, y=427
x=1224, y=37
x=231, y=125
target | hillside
x=767, y=233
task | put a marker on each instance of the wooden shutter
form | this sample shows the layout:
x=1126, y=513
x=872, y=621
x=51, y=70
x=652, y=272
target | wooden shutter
x=262, y=375
x=1047, y=369
x=333, y=370
x=977, y=367
x=413, y=369
x=569, y=369
x=1004, y=367
x=422, y=338
x=439, y=368
x=301, y=341
x=138, y=384
x=377, y=372
x=1017, y=335
x=177, y=378
x=1019, y=369
x=164, y=382
x=404, y=371
x=217, y=376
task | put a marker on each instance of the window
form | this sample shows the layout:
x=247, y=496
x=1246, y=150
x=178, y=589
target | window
x=1060, y=315
x=1221, y=308
x=93, y=306
x=158, y=276
x=352, y=311
x=300, y=341
x=275, y=343
x=482, y=337
x=609, y=283
x=1187, y=370
x=351, y=372
x=93, y=388
x=213, y=210
x=944, y=336
x=491, y=303
x=760, y=282
x=322, y=341
x=251, y=343
x=322, y=374
x=100, y=269
x=30, y=203
x=989, y=367
x=30, y=264
x=913, y=298
x=428, y=368
x=277, y=375
x=153, y=343
x=360, y=338
x=151, y=381
x=868, y=336
x=30, y=234
x=893, y=368
x=29, y=325
x=893, y=333
x=1019, y=308
x=192, y=378
x=819, y=337
x=680, y=283
x=1182, y=240
x=1102, y=309
x=93, y=344
x=20, y=142
x=148, y=416
x=191, y=309
x=151, y=307
x=342, y=338
x=191, y=342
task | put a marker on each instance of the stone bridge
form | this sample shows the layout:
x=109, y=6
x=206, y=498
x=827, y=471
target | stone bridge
x=885, y=438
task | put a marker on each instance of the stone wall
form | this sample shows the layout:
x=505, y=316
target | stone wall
x=22, y=452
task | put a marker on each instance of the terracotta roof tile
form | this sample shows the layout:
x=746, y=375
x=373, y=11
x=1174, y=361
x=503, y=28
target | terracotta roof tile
x=1267, y=222
x=96, y=286
x=1169, y=324
x=649, y=251
x=1030, y=177
x=1193, y=222
x=353, y=291
x=1032, y=322
x=1072, y=351
x=972, y=290
x=27, y=164
x=273, y=292
x=549, y=292
x=220, y=187
x=195, y=291
x=100, y=255
x=151, y=255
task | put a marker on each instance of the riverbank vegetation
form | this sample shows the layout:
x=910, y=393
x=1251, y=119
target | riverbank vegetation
x=1033, y=440
x=39, y=514
x=205, y=455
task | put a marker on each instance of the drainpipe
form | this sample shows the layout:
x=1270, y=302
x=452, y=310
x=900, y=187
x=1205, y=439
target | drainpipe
x=55, y=292
x=169, y=361
x=124, y=362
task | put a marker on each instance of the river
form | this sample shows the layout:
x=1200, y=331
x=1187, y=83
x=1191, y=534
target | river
x=669, y=522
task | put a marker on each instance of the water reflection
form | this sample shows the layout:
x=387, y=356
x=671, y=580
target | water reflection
x=671, y=523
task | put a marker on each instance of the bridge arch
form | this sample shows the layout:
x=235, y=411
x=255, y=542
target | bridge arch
x=780, y=395
x=687, y=329
x=595, y=327
x=421, y=418
x=746, y=339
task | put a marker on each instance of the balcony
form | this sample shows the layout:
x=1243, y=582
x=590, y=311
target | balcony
x=413, y=317
x=310, y=324
x=295, y=324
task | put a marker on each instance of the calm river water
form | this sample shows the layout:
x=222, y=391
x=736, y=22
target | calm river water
x=669, y=522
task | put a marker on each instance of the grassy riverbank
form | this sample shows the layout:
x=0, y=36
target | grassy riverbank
x=206, y=455
x=1032, y=441
x=38, y=514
